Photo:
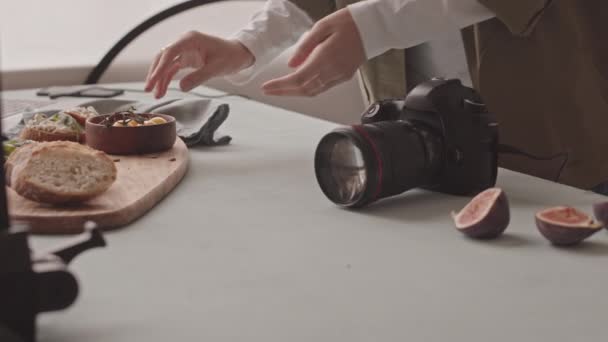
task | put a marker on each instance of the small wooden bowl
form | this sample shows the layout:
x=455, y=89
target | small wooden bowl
x=131, y=140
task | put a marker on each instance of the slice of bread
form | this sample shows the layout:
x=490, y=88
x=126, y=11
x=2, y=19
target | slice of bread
x=59, y=172
x=57, y=127
x=17, y=159
x=32, y=133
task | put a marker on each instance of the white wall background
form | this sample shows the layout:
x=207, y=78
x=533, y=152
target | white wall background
x=66, y=32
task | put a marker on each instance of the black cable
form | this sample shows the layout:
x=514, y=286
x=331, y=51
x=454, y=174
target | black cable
x=507, y=149
x=102, y=66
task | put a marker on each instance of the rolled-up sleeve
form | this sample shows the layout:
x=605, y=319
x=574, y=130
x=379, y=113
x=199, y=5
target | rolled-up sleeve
x=400, y=24
x=520, y=16
x=270, y=31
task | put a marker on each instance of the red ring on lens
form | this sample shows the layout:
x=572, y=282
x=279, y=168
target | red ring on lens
x=366, y=136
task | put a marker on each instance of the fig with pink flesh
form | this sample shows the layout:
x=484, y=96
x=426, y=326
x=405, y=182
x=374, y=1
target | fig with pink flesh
x=486, y=216
x=565, y=226
x=600, y=211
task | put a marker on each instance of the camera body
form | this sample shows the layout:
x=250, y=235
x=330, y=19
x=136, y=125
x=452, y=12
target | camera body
x=439, y=137
x=456, y=114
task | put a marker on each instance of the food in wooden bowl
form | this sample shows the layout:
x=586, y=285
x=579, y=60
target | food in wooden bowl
x=59, y=126
x=125, y=133
x=59, y=172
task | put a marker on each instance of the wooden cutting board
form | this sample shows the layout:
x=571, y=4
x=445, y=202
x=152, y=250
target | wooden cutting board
x=142, y=181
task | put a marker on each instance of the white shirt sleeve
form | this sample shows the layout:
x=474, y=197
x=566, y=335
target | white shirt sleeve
x=271, y=31
x=383, y=25
x=400, y=24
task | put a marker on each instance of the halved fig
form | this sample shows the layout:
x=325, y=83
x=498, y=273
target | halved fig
x=565, y=226
x=486, y=216
x=600, y=211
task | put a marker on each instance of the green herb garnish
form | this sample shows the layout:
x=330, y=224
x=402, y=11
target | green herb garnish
x=10, y=146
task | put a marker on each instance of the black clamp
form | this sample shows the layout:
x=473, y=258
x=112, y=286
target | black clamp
x=34, y=283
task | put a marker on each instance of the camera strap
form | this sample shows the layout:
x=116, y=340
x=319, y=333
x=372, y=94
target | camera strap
x=508, y=149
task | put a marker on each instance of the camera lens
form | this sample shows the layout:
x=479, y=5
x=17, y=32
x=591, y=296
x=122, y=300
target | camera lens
x=341, y=165
x=361, y=164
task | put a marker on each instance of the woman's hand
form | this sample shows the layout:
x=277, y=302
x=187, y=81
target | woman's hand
x=210, y=57
x=330, y=54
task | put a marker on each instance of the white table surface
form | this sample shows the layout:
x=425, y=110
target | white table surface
x=247, y=248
